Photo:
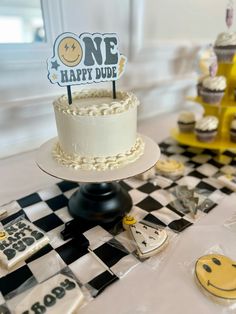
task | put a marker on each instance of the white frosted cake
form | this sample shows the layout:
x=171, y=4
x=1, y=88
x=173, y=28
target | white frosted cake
x=97, y=132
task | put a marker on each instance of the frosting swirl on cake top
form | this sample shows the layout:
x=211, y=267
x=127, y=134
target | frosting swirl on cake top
x=96, y=103
x=186, y=117
x=207, y=123
x=217, y=83
x=226, y=39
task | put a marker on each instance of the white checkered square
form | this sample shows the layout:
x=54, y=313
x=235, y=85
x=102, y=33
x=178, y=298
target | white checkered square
x=137, y=196
x=217, y=196
x=138, y=213
x=175, y=149
x=190, y=181
x=11, y=208
x=50, y=192
x=162, y=196
x=165, y=215
x=64, y=214
x=126, y=240
x=188, y=169
x=134, y=183
x=97, y=236
x=46, y=266
x=207, y=169
x=213, y=182
x=180, y=158
x=86, y=268
x=161, y=181
x=125, y=265
x=37, y=211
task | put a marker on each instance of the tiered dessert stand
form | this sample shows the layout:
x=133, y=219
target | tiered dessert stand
x=223, y=111
x=99, y=199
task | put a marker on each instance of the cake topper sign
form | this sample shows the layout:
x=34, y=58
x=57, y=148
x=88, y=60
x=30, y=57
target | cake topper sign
x=84, y=59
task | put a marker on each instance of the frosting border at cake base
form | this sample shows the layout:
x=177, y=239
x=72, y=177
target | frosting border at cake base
x=99, y=163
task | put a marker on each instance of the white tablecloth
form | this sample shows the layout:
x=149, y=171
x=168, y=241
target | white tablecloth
x=167, y=289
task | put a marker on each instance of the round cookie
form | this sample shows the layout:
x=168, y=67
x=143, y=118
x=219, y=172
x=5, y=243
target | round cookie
x=216, y=274
x=170, y=168
x=127, y=221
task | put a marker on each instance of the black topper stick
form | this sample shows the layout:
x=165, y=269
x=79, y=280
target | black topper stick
x=114, y=89
x=69, y=94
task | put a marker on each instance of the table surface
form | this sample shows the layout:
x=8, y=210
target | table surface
x=170, y=288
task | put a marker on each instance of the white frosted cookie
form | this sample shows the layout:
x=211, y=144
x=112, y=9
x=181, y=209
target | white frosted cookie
x=216, y=275
x=58, y=295
x=20, y=240
x=149, y=241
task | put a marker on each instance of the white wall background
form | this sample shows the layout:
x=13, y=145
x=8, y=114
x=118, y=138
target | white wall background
x=160, y=38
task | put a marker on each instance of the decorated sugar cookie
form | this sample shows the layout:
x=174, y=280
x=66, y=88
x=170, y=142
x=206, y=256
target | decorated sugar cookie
x=20, y=240
x=59, y=294
x=149, y=241
x=217, y=275
x=128, y=221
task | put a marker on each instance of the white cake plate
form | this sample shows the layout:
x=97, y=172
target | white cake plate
x=46, y=163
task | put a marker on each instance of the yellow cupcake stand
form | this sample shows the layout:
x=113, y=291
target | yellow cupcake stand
x=224, y=111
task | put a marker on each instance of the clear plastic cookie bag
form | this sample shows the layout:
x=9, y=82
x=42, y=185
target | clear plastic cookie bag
x=212, y=276
x=194, y=202
x=138, y=241
x=61, y=293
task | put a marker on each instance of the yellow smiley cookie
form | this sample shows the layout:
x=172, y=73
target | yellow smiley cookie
x=128, y=221
x=217, y=275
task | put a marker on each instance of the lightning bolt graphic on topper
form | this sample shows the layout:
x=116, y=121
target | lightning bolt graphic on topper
x=121, y=66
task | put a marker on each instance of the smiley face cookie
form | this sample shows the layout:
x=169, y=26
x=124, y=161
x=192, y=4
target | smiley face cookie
x=216, y=274
x=127, y=221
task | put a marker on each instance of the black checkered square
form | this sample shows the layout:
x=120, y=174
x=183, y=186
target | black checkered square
x=57, y=202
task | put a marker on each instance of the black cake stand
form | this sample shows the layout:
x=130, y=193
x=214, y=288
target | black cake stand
x=100, y=198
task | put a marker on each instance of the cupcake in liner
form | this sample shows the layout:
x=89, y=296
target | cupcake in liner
x=199, y=84
x=206, y=129
x=213, y=89
x=235, y=94
x=225, y=47
x=186, y=122
x=233, y=131
x=199, y=87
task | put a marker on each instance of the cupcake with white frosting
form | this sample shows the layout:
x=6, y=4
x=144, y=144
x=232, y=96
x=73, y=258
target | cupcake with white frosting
x=213, y=89
x=206, y=128
x=225, y=47
x=186, y=122
x=199, y=84
x=233, y=131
